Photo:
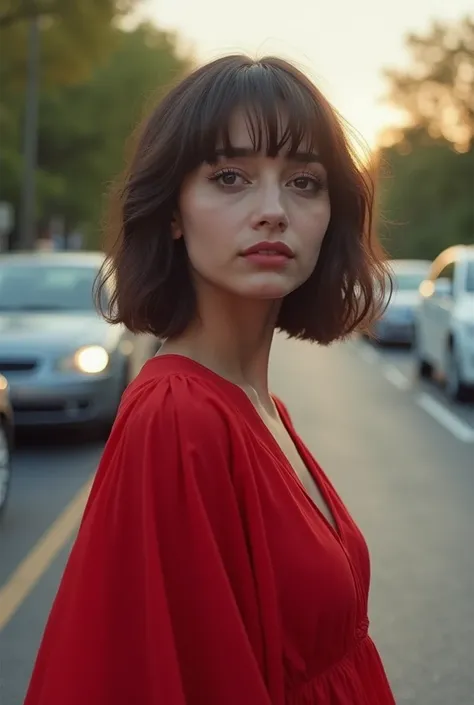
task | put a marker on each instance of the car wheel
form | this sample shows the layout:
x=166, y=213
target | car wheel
x=424, y=369
x=5, y=467
x=455, y=388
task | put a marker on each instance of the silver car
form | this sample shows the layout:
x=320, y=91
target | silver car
x=63, y=362
x=397, y=324
x=6, y=443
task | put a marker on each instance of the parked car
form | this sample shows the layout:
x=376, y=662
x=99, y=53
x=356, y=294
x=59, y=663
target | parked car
x=397, y=323
x=6, y=443
x=64, y=363
x=445, y=321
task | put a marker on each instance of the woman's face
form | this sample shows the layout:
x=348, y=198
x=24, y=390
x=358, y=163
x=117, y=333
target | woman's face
x=253, y=225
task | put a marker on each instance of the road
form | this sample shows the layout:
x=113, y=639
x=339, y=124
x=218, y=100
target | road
x=400, y=456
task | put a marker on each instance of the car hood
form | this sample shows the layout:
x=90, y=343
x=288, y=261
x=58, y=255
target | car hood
x=405, y=299
x=52, y=332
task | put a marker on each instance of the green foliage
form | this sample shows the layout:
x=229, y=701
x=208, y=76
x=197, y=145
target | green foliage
x=75, y=36
x=84, y=128
x=13, y=12
x=426, y=196
x=84, y=124
x=437, y=91
x=426, y=184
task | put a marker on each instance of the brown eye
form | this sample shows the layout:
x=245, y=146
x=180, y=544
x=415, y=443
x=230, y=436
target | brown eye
x=307, y=184
x=228, y=179
x=303, y=182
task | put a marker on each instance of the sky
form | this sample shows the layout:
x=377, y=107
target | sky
x=343, y=45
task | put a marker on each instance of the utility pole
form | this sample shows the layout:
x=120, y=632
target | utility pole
x=30, y=140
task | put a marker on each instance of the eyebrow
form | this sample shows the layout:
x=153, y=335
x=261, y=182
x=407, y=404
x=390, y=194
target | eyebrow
x=303, y=157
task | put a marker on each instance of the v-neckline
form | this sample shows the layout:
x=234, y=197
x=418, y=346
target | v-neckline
x=308, y=463
x=245, y=405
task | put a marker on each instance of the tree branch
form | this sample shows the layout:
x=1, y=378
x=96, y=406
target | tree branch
x=26, y=12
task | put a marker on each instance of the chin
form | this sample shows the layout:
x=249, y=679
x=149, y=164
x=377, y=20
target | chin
x=264, y=286
x=266, y=290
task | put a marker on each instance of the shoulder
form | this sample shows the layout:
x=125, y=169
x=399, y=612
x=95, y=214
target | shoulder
x=175, y=402
x=174, y=434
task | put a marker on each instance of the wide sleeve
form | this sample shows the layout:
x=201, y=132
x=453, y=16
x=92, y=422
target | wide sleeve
x=157, y=603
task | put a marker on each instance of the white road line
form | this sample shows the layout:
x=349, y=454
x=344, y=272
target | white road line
x=396, y=377
x=461, y=430
x=37, y=562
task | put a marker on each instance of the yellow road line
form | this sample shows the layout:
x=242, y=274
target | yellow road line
x=26, y=576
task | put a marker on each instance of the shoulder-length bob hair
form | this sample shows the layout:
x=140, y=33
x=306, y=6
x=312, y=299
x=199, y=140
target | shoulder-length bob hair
x=147, y=270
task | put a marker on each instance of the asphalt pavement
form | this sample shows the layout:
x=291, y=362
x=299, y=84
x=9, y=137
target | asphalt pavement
x=401, y=457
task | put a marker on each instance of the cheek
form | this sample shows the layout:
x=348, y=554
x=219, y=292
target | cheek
x=313, y=225
x=196, y=214
x=205, y=224
x=204, y=218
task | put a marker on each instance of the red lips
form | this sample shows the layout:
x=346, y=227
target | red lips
x=279, y=248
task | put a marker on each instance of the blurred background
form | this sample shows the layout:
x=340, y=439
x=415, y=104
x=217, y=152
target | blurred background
x=390, y=417
x=76, y=77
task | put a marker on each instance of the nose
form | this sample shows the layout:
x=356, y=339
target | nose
x=269, y=213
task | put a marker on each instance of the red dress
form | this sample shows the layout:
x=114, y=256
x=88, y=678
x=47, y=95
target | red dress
x=203, y=574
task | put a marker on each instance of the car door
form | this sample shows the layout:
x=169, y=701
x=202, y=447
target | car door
x=426, y=314
x=442, y=303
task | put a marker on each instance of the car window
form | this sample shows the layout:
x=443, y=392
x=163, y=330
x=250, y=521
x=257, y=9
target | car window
x=470, y=277
x=408, y=281
x=31, y=287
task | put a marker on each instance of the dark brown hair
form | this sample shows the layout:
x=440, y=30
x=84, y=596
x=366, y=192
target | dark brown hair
x=152, y=289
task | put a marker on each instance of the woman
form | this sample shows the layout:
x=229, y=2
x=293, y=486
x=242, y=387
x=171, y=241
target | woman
x=215, y=564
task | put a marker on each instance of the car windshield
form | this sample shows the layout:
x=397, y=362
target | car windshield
x=408, y=281
x=470, y=277
x=32, y=287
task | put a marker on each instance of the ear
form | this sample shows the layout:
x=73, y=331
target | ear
x=176, y=227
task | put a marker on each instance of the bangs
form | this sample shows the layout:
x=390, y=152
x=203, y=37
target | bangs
x=280, y=113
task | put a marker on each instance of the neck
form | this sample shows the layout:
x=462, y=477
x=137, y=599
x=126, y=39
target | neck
x=233, y=337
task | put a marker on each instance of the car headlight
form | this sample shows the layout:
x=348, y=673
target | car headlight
x=90, y=359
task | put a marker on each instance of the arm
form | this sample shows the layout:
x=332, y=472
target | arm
x=157, y=601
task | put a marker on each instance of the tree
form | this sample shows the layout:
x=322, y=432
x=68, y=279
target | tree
x=425, y=195
x=14, y=11
x=437, y=91
x=83, y=127
x=75, y=36
x=426, y=168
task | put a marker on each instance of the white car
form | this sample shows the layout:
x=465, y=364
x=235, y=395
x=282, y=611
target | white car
x=397, y=323
x=444, y=332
